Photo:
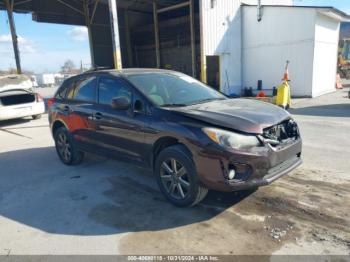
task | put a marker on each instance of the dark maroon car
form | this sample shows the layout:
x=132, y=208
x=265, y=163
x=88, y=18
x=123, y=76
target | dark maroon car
x=193, y=137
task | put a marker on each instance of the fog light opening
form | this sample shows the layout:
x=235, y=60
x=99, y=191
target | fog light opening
x=231, y=174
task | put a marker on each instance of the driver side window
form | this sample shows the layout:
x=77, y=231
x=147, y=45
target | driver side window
x=109, y=88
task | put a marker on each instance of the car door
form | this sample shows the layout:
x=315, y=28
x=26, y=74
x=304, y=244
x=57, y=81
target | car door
x=119, y=132
x=81, y=97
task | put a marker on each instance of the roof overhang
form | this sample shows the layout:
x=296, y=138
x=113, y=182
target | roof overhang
x=328, y=11
x=334, y=13
x=72, y=12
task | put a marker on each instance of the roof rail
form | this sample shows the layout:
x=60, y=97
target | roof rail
x=98, y=68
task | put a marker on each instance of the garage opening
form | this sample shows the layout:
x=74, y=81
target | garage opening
x=213, y=71
x=160, y=35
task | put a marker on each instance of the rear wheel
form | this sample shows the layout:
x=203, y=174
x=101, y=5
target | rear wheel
x=66, y=149
x=177, y=178
x=36, y=117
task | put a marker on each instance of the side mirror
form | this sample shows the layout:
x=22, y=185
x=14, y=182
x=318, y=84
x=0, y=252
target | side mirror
x=121, y=103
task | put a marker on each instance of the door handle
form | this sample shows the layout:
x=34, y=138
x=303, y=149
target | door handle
x=98, y=116
x=66, y=109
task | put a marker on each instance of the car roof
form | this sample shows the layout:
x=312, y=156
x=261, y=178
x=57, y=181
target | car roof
x=125, y=72
x=133, y=71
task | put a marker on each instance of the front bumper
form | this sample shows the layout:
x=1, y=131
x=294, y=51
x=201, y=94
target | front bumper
x=273, y=174
x=22, y=110
x=262, y=165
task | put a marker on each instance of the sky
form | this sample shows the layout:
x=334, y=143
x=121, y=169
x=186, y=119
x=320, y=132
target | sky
x=44, y=47
x=343, y=5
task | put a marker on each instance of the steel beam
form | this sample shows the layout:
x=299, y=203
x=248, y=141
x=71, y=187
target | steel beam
x=71, y=7
x=115, y=33
x=94, y=11
x=173, y=7
x=193, y=40
x=21, y=2
x=9, y=7
x=156, y=33
x=203, y=57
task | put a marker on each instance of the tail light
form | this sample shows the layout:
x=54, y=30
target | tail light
x=39, y=98
x=50, y=102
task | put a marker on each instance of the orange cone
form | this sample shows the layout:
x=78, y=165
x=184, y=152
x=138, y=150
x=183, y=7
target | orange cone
x=339, y=84
x=286, y=73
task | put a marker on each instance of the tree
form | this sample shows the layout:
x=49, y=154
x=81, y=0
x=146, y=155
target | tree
x=68, y=67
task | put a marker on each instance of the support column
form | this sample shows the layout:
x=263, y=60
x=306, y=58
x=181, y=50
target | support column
x=9, y=7
x=128, y=38
x=92, y=55
x=88, y=25
x=193, y=40
x=203, y=57
x=115, y=33
x=156, y=32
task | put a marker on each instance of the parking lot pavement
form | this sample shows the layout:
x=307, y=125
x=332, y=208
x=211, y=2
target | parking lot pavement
x=108, y=207
x=46, y=92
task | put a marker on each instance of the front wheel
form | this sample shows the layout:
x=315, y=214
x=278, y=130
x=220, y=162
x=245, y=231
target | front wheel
x=177, y=178
x=66, y=149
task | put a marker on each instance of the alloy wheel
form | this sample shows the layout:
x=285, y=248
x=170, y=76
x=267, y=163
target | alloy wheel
x=64, y=147
x=175, y=178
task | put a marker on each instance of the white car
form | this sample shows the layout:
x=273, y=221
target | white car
x=18, y=103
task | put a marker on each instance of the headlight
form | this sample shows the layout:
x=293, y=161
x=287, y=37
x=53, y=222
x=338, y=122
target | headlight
x=231, y=139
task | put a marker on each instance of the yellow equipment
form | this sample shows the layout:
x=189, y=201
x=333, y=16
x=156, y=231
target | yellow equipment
x=344, y=58
x=283, y=98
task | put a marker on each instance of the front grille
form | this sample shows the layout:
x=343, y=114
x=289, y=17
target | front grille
x=281, y=133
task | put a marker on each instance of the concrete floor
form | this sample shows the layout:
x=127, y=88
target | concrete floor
x=108, y=207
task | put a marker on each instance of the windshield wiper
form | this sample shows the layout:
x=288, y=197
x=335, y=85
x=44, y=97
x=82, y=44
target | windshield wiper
x=206, y=100
x=174, y=105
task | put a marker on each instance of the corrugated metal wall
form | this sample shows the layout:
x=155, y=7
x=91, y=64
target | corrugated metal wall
x=221, y=35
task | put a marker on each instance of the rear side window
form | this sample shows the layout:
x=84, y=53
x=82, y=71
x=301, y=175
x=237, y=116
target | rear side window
x=83, y=89
x=110, y=88
x=61, y=93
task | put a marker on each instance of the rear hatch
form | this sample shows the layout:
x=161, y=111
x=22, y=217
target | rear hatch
x=16, y=97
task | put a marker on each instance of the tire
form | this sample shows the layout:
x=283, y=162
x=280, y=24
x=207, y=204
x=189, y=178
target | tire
x=66, y=148
x=35, y=117
x=171, y=176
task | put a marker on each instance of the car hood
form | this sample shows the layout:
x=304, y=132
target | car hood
x=245, y=115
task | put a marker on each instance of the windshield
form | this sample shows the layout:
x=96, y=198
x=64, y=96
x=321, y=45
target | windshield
x=166, y=89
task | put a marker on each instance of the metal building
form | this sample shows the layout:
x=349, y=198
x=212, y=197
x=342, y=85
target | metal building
x=222, y=42
x=307, y=36
x=221, y=21
x=198, y=37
